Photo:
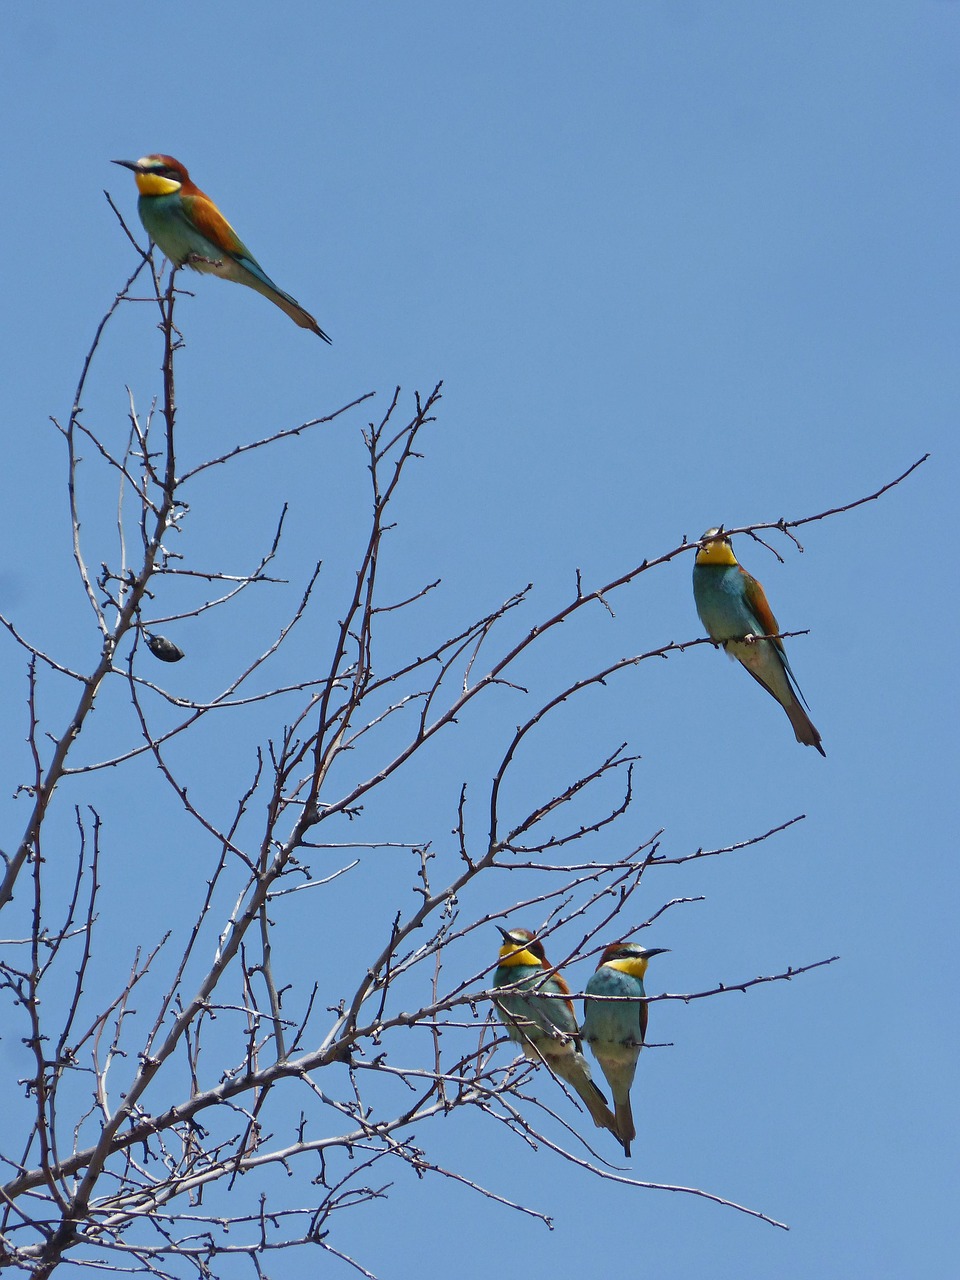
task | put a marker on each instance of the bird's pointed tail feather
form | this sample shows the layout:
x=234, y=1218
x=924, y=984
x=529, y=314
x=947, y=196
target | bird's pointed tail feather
x=573, y=1068
x=250, y=273
x=626, y=1129
x=804, y=728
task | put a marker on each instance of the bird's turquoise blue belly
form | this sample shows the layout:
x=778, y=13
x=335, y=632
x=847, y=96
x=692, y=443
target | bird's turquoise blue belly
x=718, y=593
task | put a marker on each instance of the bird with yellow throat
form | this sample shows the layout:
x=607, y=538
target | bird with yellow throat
x=538, y=1014
x=189, y=229
x=733, y=607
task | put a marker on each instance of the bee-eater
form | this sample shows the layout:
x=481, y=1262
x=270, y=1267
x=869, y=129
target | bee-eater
x=734, y=609
x=191, y=231
x=615, y=1029
x=547, y=1029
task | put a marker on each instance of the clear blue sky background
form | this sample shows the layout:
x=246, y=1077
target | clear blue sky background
x=677, y=263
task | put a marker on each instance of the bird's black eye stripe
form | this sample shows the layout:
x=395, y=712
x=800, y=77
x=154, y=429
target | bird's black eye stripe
x=166, y=171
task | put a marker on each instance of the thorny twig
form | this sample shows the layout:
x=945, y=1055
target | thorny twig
x=200, y=1057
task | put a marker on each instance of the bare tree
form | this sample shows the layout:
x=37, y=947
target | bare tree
x=152, y=1092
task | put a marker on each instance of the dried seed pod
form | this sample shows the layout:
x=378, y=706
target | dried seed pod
x=162, y=648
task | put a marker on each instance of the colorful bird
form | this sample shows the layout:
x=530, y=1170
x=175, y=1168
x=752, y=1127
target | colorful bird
x=615, y=1029
x=547, y=1029
x=734, y=609
x=191, y=231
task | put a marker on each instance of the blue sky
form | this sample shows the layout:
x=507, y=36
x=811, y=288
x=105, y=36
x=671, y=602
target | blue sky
x=676, y=263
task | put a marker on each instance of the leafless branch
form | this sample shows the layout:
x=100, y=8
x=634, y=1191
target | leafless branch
x=265, y=1029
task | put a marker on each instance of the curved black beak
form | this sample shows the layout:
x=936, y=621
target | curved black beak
x=127, y=164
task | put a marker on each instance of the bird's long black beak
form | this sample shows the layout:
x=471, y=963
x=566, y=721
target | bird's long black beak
x=127, y=164
x=505, y=932
x=655, y=951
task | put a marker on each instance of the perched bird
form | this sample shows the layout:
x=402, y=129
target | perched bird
x=734, y=609
x=547, y=1029
x=614, y=1029
x=191, y=231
